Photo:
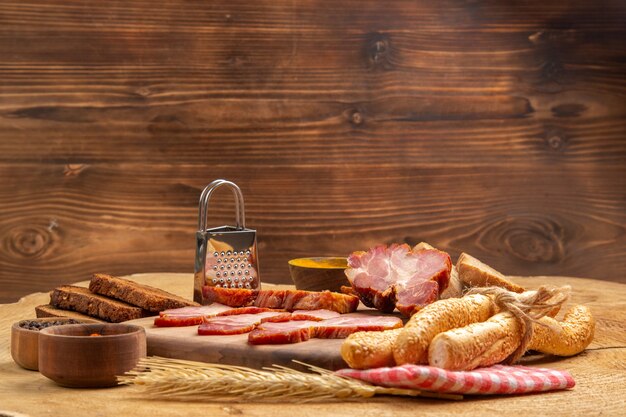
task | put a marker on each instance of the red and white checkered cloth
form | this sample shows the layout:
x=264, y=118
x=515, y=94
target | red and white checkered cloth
x=497, y=379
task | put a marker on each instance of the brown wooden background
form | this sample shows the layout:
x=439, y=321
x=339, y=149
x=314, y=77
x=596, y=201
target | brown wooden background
x=493, y=127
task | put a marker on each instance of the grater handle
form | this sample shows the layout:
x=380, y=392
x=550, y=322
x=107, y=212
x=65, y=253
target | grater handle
x=240, y=218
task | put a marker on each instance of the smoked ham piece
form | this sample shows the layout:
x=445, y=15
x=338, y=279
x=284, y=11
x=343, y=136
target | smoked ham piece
x=397, y=277
x=289, y=300
x=333, y=328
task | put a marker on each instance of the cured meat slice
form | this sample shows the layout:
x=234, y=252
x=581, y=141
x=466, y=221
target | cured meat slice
x=271, y=299
x=326, y=300
x=209, y=310
x=283, y=299
x=282, y=333
x=396, y=277
x=344, y=326
x=232, y=297
x=177, y=321
x=188, y=316
x=333, y=328
x=278, y=318
x=246, y=310
x=233, y=324
x=314, y=315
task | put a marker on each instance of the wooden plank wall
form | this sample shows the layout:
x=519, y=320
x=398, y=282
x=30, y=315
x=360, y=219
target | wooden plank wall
x=493, y=127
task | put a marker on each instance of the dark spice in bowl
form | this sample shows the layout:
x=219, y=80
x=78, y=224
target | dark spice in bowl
x=25, y=338
x=38, y=325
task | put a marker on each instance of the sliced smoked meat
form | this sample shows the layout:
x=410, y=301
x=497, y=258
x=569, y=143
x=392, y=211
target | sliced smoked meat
x=247, y=310
x=210, y=310
x=314, y=315
x=233, y=324
x=232, y=297
x=326, y=300
x=301, y=315
x=333, y=328
x=285, y=316
x=282, y=333
x=177, y=321
x=283, y=299
x=188, y=316
x=343, y=326
x=397, y=277
x=271, y=299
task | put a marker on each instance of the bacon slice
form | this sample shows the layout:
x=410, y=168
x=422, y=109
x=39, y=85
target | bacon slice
x=283, y=299
x=188, y=316
x=344, y=326
x=279, y=318
x=314, y=315
x=232, y=297
x=396, y=277
x=333, y=328
x=247, y=310
x=282, y=333
x=177, y=321
x=209, y=310
x=234, y=324
x=326, y=300
x=271, y=298
x=191, y=316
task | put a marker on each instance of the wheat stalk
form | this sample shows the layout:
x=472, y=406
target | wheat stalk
x=176, y=379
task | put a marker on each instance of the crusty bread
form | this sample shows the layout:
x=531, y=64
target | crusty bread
x=48, y=310
x=477, y=344
x=474, y=273
x=144, y=296
x=69, y=297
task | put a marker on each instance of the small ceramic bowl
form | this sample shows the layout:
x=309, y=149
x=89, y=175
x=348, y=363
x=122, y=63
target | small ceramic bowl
x=25, y=342
x=319, y=274
x=90, y=355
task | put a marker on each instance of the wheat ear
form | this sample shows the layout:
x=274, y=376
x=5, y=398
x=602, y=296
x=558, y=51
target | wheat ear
x=176, y=379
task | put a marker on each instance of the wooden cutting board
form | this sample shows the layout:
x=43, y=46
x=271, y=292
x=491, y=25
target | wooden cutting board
x=185, y=343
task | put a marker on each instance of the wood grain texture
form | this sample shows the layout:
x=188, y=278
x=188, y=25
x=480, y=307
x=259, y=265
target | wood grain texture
x=494, y=128
x=599, y=373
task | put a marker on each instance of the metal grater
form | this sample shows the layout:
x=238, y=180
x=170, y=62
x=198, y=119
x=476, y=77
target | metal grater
x=226, y=256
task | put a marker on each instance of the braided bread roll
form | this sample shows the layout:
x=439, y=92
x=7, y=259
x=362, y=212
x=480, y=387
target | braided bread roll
x=411, y=346
x=491, y=342
x=365, y=350
x=478, y=344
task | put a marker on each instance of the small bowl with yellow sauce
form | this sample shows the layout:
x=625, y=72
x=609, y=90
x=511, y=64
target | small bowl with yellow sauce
x=319, y=273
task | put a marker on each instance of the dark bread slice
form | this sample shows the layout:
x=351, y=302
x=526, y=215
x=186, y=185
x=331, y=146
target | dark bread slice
x=48, y=310
x=69, y=297
x=144, y=296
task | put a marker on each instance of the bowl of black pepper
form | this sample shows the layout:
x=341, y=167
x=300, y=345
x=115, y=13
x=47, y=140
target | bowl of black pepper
x=25, y=338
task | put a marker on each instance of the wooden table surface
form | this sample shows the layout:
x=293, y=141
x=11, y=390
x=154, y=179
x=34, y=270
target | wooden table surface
x=495, y=128
x=600, y=374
